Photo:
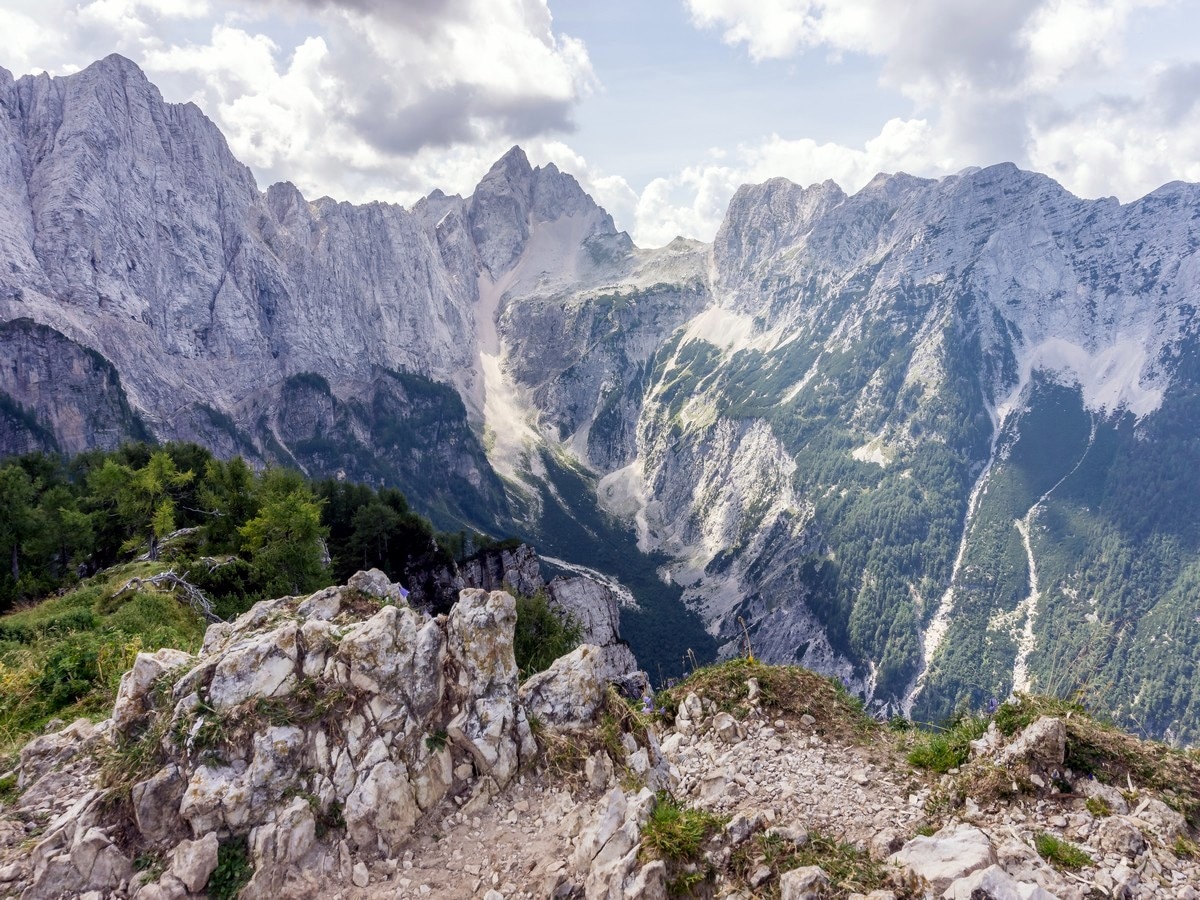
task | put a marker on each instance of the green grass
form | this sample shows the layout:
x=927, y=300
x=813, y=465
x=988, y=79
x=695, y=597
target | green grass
x=1059, y=853
x=64, y=657
x=8, y=788
x=1098, y=807
x=1185, y=848
x=941, y=751
x=676, y=833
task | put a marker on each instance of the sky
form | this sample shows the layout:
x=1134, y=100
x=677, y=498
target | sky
x=661, y=108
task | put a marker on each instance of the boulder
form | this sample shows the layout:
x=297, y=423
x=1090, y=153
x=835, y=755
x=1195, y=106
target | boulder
x=156, y=804
x=375, y=583
x=50, y=751
x=490, y=726
x=805, y=883
x=192, y=862
x=1042, y=745
x=1120, y=835
x=381, y=811
x=261, y=665
x=134, y=695
x=941, y=859
x=568, y=695
x=993, y=883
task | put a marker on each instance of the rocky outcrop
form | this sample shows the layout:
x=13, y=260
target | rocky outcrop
x=340, y=706
x=594, y=608
x=349, y=743
x=517, y=569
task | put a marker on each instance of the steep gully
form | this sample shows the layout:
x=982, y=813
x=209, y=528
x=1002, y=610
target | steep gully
x=1028, y=607
x=935, y=634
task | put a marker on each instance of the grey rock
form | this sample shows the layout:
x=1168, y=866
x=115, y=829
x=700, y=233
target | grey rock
x=941, y=859
x=993, y=883
x=1042, y=745
x=192, y=862
x=1120, y=835
x=156, y=804
x=805, y=883
x=568, y=696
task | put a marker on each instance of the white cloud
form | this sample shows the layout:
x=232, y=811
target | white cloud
x=1048, y=84
x=693, y=203
x=363, y=100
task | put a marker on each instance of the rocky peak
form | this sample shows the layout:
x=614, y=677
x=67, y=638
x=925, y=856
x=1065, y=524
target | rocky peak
x=514, y=198
x=764, y=218
x=499, y=211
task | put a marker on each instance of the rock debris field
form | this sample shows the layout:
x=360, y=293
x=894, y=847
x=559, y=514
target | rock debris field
x=343, y=745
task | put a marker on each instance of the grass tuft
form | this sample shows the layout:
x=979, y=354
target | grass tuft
x=676, y=833
x=941, y=751
x=1059, y=853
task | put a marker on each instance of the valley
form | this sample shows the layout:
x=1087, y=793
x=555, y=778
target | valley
x=823, y=425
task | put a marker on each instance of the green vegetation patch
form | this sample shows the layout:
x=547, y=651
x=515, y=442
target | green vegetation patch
x=1059, y=853
x=787, y=692
x=677, y=834
x=946, y=749
x=542, y=635
x=64, y=658
x=234, y=871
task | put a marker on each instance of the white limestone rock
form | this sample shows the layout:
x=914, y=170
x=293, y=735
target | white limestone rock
x=1042, y=745
x=942, y=858
x=133, y=694
x=261, y=666
x=804, y=883
x=994, y=883
x=192, y=862
x=568, y=695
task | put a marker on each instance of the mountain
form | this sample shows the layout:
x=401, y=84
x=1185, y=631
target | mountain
x=937, y=438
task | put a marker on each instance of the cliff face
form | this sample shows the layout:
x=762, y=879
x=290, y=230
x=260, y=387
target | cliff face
x=128, y=227
x=59, y=395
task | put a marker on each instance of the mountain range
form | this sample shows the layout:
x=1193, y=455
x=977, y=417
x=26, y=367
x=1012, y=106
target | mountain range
x=939, y=439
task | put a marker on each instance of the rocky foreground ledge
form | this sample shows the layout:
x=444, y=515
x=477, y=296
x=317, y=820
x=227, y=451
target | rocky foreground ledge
x=344, y=744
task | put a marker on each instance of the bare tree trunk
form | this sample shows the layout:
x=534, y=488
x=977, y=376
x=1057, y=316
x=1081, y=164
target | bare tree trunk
x=16, y=563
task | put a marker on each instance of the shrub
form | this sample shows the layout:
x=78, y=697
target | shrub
x=542, y=635
x=233, y=871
